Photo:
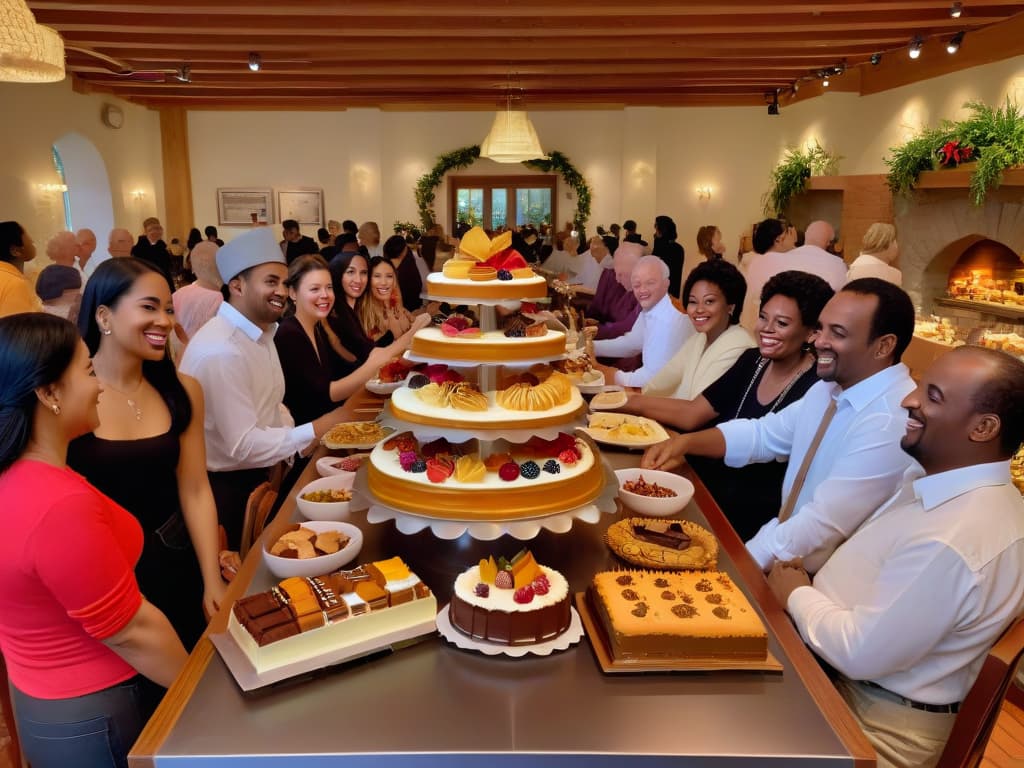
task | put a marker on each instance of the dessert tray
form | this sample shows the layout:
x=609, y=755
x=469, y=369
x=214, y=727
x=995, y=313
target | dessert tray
x=624, y=430
x=610, y=665
x=702, y=552
x=565, y=640
x=520, y=529
x=355, y=435
x=379, y=387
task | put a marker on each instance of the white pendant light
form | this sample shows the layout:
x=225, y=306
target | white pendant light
x=29, y=52
x=512, y=138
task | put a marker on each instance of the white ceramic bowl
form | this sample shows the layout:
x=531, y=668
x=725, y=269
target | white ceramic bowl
x=648, y=505
x=325, y=464
x=286, y=567
x=326, y=510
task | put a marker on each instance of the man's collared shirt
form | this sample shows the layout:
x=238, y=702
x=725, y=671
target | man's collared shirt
x=658, y=333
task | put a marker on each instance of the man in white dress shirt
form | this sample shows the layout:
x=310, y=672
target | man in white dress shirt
x=779, y=255
x=658, y=333
x=858, y=463
x=233, y=356
x=908, y=607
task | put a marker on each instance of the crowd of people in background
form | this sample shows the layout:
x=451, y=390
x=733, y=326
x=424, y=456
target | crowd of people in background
x=147, y=389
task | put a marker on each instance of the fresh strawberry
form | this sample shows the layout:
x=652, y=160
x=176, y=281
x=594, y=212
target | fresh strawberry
x=523, y=595
x=541, y=585
x=440, y=469
x=504, y=580
x=509, y=471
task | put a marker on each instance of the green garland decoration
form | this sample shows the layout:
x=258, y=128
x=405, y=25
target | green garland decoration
x=426, y=185
x=790, y=176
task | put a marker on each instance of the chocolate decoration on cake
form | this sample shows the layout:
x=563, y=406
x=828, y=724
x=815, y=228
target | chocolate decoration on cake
x=684, y=611
x=663, y=534
x=661, y=583
x=625, y=580
x=640, y=610
x=668, y=594
x=703, y=586
x=714, y=598
x=722, y=612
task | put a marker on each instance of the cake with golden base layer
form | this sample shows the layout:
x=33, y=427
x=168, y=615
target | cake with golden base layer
x=442, y=286
x=512, y=482
x=689, y=614
x=526, y=605
x=300, y=619
x=489, y=347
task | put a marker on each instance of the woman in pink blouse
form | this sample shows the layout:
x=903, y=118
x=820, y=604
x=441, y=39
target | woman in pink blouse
x=85, y=651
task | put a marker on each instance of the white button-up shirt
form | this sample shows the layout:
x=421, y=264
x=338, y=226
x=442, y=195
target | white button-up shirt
x=236, y=363
x=859, y=463
x=658, y=333
x=916, y=597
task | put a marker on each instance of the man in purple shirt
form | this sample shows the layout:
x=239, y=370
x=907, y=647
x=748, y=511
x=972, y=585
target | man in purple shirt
x=614, y=307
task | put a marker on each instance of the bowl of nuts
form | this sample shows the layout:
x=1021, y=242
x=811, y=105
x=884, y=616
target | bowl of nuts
x=328, y=498
x=313, y=549
x=652, y=492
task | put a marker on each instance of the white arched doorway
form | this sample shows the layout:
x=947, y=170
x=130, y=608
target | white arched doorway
x=88, y=193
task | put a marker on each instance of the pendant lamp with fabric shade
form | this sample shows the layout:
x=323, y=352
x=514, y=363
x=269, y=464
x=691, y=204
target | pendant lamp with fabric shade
x=29, y=52
x=512, y=138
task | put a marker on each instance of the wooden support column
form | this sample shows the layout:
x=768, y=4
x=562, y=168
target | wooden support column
x=177, y=173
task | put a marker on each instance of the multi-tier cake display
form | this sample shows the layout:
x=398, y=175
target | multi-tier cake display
x=492, y=440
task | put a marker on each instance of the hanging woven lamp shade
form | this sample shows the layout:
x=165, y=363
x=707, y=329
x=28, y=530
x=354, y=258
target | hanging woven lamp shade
x=29, y=52
x=512, y=138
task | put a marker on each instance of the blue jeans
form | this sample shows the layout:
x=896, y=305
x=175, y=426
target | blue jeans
x=91, y=731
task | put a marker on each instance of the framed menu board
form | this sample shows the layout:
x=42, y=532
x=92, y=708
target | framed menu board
x=245, y=205
x=304, y=204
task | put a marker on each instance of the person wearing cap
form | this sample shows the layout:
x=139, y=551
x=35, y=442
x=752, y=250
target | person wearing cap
x=197, y=302
x=248, y=429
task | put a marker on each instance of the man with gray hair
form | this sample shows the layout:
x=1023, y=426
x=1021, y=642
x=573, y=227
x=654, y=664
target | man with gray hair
x=660, y=329
x=62, y=249
x=86, y=239
x=119, y=246
x=614, y=308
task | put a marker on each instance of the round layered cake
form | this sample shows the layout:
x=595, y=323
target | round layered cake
x=441, y=286
x=536, y=611
x=489, y=347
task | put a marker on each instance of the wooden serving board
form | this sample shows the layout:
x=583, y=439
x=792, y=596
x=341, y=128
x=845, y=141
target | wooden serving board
x=610, y=665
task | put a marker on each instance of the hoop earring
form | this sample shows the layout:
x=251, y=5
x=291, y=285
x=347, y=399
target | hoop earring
x=56, y=409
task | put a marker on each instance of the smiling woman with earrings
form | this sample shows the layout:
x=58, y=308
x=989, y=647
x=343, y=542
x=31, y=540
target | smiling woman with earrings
x=86, y=653
x=148, y=452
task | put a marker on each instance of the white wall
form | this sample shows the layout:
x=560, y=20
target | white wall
x=38, y=115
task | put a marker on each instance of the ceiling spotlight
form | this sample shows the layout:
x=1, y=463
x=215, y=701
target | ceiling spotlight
x=773, y=107
x=796, y=86
x=839, y=68
x=915, y=48
x=824, y=81
x=954, y=42
x=956, y=10
x=255, y=62
x=876, y=59
x=184, y=73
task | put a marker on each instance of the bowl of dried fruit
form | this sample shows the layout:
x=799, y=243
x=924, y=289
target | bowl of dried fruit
x=328, y=498
x=313, y=549
x=339, y=465
x=652, y=492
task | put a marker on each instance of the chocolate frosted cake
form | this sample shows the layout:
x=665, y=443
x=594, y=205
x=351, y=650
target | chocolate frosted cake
x=661, y=615
x=511, y=603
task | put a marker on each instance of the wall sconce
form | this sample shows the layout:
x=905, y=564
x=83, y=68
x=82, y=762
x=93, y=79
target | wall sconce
x=52, y=187
x=704, y=193
x=139, y=195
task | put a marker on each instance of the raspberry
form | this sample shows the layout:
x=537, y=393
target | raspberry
x=417, y=380
x=530, y=470
x=568, y=456
x=541, y=585
x=482, y=590
x=509, y=471
x=418, y=466
x=523, y=595
x=406, y=459
x=349, y=464
x=553, y=467
x=504, y=580
x=504, y=274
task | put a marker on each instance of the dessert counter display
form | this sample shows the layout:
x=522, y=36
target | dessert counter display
x=431, y=703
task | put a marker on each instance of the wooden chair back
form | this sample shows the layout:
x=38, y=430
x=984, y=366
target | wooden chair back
x=980, y=709
x=257, y=511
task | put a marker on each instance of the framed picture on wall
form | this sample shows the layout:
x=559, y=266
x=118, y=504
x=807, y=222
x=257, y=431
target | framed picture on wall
x=304, y=204
x=245, y=205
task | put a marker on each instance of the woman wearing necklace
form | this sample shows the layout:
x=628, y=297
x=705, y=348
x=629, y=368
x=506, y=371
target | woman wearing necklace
x=764, y=379
x=148, y=453
x=381, y=311
x=319, y=369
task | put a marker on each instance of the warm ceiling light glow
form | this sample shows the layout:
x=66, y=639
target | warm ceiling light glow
x=915, y=48
x=512, y=138
x=29, y=52
x=255, y=62
x=824, y=81
x=956, y=10
x=954, y=43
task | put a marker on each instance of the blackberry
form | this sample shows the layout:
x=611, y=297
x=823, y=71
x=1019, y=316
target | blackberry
x=516, y=333
x=529, y=470
x=418, y=466
x=504, y=274
x=438, y=319
x=553, y=467
x=417, y=380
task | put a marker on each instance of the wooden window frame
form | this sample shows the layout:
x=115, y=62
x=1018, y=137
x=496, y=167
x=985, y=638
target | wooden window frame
x=511, y=183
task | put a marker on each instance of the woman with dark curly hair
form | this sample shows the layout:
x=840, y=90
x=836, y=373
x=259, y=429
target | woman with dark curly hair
x=713, y=296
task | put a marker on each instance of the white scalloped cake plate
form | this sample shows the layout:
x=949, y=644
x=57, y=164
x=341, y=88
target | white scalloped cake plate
x=567, y=639
x=379, y=387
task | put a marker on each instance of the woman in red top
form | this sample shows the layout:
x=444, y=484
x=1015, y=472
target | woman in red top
x=83, y=647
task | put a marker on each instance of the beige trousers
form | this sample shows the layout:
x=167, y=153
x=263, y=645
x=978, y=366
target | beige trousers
x=902, y=736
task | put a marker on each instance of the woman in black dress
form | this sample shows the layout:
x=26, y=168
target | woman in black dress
x=410, y=282
x=148, y=453
x=668, y=250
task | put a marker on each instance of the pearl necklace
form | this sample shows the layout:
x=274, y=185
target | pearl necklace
x=761, y=363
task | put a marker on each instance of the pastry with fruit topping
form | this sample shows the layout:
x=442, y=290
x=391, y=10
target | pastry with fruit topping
x=511, y=602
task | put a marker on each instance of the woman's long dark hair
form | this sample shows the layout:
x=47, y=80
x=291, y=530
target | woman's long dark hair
x=35, y=350
x=297, y=270
x=195, y=237
x=112, y=280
